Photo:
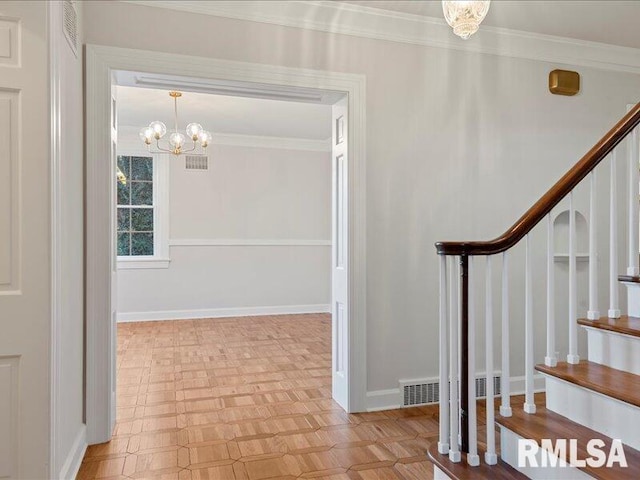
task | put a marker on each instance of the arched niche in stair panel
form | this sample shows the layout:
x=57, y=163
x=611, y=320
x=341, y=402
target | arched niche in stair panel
x=561, y=237
x=561, y=256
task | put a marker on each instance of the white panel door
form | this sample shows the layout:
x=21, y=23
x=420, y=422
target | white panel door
x=340, y=255
x=25, y=280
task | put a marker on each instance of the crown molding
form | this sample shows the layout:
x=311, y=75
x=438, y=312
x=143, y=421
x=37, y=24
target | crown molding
x=128, y=140
x=376, y=23
x=282, y=143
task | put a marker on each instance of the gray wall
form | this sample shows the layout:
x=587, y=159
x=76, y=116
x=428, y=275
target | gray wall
x=459, y=145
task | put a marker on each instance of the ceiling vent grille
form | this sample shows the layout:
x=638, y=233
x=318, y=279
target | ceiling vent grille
x=196, y=162
x=428, y=391
x=70, y=25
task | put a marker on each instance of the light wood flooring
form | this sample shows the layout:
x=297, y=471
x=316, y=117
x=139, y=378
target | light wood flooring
x=248, y=398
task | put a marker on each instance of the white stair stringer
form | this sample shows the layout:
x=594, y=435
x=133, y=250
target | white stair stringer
x=561, y=471
x=613, y=349
x=614, y=418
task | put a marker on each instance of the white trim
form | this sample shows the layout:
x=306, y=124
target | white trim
x=222, y=312
x=376, y=23
x=282, y=143
x=72, y=464
x=100, y=63
x=53, y=12
x=247, y=242
x=128, y=141
x=131, y=263
x=388, y=399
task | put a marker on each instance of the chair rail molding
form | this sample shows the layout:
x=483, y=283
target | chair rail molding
x=101, y=63
x=376, y=23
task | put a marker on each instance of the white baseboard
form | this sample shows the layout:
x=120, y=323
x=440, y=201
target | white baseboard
x=71, y=465
x=222, y=312
x=390, y=399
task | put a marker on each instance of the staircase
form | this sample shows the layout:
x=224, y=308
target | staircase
x=589, y=426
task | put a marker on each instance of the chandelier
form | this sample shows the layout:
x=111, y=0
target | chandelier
x=177, y=143
x=465, y=16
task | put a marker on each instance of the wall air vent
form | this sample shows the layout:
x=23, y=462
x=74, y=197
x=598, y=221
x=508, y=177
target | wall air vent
x=416, y=392
x=196, y=162
x=70, y=25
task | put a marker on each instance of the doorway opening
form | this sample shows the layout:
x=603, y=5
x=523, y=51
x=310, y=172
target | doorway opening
x=138, y=230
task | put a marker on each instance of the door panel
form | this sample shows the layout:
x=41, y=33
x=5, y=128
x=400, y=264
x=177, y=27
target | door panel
x=340, y=256
x=25, y=274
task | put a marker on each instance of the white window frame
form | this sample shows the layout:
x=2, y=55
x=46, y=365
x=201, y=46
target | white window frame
x=160, y=257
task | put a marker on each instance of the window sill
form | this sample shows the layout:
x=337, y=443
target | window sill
x=140, y=263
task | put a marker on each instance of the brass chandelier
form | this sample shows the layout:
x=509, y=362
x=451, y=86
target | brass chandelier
x=177, y=143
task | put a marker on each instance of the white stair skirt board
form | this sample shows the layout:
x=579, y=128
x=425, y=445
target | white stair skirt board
x=509, y=454
x=614, y=350
x=633, y=299
x=439, y=474
x=222, y=312
x=615, y=419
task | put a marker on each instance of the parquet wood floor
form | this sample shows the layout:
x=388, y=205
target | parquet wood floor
x=248, y=399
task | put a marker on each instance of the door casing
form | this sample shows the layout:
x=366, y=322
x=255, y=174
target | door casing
x=101, y=62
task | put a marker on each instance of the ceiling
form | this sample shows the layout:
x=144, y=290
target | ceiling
x=613, y=22
x=137, y=107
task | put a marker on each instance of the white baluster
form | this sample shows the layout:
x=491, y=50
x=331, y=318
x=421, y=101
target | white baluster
x=634, y=195
x=529, y=401
x=593, y=313
x=454, y=410
x=490, y=456
x=572, y=356
x=472, y=457
x=550, y=360
x=443, y=444
x=614, y=302
x=505, y=385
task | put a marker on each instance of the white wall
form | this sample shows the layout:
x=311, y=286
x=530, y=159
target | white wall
x=459, y=145
x=249, y=195
x=70, y=439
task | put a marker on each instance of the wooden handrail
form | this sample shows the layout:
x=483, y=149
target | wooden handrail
x=550, y=199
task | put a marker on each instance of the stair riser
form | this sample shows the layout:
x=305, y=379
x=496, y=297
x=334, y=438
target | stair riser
x=614, y=350
x=509, y=453
x=612, y=417
x=633, y=299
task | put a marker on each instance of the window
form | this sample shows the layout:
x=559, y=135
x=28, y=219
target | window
x=135, y=206
x=142, y=240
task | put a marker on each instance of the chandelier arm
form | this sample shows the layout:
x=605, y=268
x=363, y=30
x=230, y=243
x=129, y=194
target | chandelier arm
x=162, y=150
x=195, y=145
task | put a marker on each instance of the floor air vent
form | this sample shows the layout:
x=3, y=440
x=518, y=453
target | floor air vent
x=196, y=162
x=426, y=392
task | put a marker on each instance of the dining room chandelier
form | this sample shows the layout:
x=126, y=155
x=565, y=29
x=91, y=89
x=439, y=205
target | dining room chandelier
x=178, y=143
x=465, y=16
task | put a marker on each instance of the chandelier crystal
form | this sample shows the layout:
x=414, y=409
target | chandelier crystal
x=197, y=135
x=465, y=16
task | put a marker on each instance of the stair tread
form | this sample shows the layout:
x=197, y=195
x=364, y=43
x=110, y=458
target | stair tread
x=626, y=325
x=462, y=471
x=628, y=279
x=623, y=386
x=547, y=424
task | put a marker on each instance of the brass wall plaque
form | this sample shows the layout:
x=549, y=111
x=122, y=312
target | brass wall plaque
x=564, y=82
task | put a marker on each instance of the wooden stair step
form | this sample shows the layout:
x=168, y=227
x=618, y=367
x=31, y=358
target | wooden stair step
x=628, y=279
x=625, y=325
x=462, y=471
x=623, y=386
x=547, y=424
